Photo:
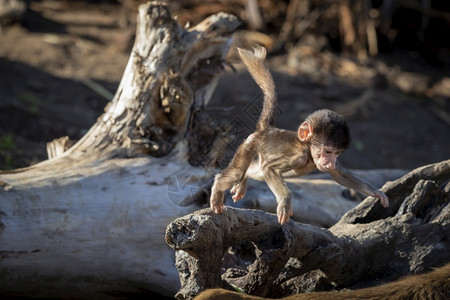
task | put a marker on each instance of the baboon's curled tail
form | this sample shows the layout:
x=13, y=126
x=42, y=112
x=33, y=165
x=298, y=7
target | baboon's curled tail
x=255, y=64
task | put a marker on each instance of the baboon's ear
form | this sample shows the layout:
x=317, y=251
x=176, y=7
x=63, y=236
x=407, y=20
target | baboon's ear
x=305, y=132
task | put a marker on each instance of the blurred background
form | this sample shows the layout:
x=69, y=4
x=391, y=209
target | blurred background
x=383, y=64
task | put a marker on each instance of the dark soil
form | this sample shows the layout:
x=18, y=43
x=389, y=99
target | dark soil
x=46, y=59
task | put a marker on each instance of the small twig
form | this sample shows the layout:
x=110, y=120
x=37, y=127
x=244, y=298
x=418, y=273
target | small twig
x=441, y=114
x=96, y=88
x=254, y=17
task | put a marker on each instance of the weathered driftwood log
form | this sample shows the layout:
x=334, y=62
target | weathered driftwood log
x=369, y=245
x=90, y=221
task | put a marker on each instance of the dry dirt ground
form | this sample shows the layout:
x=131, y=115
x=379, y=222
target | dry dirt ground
x=49, y=59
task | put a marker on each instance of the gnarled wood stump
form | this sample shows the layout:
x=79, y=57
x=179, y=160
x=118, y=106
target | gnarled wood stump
x=90, y=221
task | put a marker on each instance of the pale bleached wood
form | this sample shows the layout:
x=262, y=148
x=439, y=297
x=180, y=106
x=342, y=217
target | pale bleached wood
x=89, y=222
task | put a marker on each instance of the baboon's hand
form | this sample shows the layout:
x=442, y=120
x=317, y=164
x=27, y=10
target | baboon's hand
x=238, y=191
x=216, y=202
x=284, y=211
x=383, y=198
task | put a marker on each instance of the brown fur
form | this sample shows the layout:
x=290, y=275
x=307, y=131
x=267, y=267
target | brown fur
x=284, y=153
x=255, y=63
x=331, y=127
x=430, y=286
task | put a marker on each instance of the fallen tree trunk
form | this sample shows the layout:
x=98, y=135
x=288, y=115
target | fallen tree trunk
x=90, y=221
x=369, y=243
